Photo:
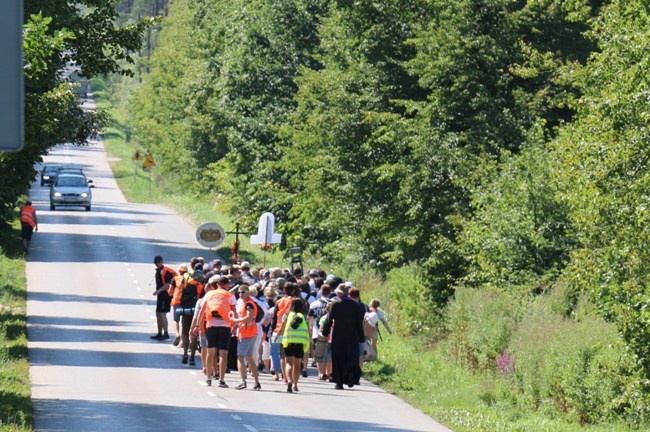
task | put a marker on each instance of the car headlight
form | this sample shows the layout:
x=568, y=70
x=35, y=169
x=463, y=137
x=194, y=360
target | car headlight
x=57, y=194
x=84, y=195
x=46, y=177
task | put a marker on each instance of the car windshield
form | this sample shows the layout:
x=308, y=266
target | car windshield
x=71, y=181
x=51, y=168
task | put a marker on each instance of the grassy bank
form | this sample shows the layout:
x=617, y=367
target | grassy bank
x=16, y=413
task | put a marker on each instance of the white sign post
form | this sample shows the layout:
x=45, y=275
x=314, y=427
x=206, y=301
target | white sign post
x=265, y=234
x=12, y=117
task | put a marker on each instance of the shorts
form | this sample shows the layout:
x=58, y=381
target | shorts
x=246, y=347
x=26, y=231
x=218, y=337
x=163, y=304
x=294, y=350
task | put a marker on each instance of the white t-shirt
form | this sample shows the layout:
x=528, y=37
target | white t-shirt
x=314, y=307
x=372, y=318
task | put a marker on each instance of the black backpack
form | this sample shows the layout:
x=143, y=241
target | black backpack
x=259, y=313
x=190, y=294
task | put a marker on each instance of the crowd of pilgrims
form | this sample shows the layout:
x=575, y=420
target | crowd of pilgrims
x=272, y=321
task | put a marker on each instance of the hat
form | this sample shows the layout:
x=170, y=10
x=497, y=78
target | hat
x=28, y=202
x=157, y=259
x=182, y=268
x=313, y=272
x=214, y=279
x=280, y=282
x=266, y=274
x=198, y=274
x=348, y=284
x=245, y=265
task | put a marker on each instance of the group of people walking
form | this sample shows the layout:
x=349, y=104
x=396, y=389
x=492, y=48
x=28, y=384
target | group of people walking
x=271, y=320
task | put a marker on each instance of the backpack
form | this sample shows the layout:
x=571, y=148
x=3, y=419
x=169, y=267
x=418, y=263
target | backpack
x=190, y=295
x=260, y=313
x=320, y=311
x=369, y=329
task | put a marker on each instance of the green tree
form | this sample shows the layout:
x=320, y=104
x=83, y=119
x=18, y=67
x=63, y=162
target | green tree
x=56, y=33
x=603, y=173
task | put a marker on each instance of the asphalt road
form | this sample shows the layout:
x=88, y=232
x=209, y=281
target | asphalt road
x=90, y=314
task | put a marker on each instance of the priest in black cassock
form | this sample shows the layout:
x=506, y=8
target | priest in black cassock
x=345, y=321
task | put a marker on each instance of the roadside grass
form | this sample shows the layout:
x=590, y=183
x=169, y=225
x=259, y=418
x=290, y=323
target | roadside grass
x=16, y=411
x=424, y=377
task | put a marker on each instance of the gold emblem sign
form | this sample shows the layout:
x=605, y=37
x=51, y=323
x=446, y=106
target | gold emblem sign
x=210, y=235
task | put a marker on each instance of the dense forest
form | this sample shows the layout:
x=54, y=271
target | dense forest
x=488, y=158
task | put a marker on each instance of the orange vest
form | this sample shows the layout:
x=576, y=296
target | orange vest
x=247, y=329
x=282, y=306
x=176, y=290
x=216, y=304
x=164, y=271
x=28, y=215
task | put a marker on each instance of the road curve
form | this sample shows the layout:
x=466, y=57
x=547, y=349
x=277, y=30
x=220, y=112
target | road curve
x=90, y=313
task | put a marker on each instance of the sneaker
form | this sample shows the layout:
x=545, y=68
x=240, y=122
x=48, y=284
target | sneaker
x=223, y=384
x=289, y=389
x=257, y=386
x=156, y=337
x=165, y=336
x=208, y=382
x=241, y=386
x=192, y=361
x=184, y=361
x=284, y=380
x=339, y=387
x=177, y=340
x=304, y=373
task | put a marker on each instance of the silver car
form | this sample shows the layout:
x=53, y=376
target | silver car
x=71, y=189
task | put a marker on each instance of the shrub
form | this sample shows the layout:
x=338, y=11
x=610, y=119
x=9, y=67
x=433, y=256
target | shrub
x=579, y=368
x=479, y=324
x=412, y=309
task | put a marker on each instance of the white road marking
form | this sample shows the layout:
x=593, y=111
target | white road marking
x=236, y=417
x=250, y=428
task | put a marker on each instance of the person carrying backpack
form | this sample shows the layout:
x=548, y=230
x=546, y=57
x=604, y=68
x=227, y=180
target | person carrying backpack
x=317, y=310
x=191, y=291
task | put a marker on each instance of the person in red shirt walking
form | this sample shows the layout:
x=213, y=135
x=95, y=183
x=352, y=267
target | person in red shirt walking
x=28, y=222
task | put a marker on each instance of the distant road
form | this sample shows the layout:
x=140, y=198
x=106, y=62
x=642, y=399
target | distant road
x=90, y=314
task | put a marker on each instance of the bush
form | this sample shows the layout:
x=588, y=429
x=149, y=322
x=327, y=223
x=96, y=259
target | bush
x=479, y=324
x=579, y=368
x=413, y=311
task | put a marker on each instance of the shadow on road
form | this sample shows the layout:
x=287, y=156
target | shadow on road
x=142, y=417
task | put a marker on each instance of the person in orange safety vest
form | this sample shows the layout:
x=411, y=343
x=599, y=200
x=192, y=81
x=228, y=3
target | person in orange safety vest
x=28, y=222
x=247, y=334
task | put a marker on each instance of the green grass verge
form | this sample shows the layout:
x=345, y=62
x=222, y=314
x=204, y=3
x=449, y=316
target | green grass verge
x=16, y=411
x=463, y=401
